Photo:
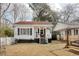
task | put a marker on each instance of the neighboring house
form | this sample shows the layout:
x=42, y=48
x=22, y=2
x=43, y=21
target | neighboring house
x=73, y=31
x=31, y=30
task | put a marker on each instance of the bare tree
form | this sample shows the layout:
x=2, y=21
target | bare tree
x=42, y=11
x=3, y=12
x=23, y=12
x=15, y=11
x=19, y=12
x=0, y=14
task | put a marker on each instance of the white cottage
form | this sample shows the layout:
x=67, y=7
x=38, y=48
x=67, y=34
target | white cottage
x=31, y=30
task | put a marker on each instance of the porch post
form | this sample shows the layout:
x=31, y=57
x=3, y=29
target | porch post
x=46, y=36
x=39, y=40
x=46, y=40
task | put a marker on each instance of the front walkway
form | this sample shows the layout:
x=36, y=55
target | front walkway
x=56, y=48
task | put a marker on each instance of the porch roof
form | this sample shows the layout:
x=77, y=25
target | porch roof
x=33, y=22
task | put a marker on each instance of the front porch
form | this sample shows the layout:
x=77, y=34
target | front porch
x=40, y=34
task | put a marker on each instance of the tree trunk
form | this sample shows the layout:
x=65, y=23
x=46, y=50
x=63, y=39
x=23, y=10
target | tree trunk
x=67, y=40
x=0, y=15
x=0, y=27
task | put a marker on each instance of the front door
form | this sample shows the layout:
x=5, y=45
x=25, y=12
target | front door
x=42, y=36
x=42, y=33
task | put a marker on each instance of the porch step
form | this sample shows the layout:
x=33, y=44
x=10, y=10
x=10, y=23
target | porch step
x=43, y=41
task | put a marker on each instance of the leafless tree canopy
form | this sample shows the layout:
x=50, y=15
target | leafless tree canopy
x=43, y=12
x=19, y=12
x=3, y=9
x=69, y=12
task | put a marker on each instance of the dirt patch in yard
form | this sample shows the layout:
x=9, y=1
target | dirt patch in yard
x=54, y=48
x=27, y=50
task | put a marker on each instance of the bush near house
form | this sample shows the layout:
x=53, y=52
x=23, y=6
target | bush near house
x=6, y=32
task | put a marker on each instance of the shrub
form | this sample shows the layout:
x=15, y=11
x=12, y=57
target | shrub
x=6, y=32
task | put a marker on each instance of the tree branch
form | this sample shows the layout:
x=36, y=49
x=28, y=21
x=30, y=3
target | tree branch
x=5, y=10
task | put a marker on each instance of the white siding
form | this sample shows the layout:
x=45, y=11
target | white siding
x=28, y=37
x=24, y=36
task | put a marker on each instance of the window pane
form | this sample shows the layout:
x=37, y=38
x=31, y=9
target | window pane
x=21, y=31
x=44, y=31
x=24, y=31
x=69, y=32
x=76, y=32
x=65, y=32
x=18, y=31
x=30, y=31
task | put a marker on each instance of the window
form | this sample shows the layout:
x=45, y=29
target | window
x=27, y=31
x=75, y=31
x=18, y=31
x=21, y=31
x=68, y=32
x=24, y=31
x=30, y=31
